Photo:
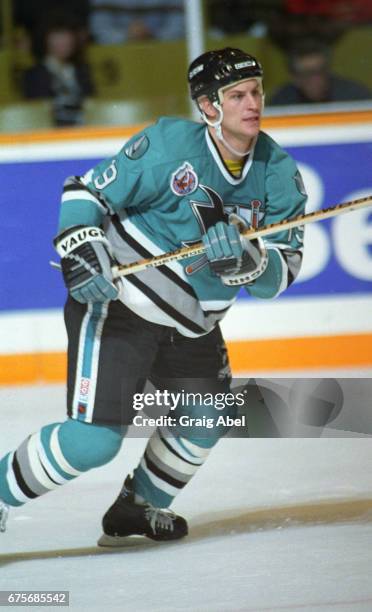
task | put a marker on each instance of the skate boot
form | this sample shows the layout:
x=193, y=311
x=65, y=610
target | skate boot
x=4, y=511
x=126, y=517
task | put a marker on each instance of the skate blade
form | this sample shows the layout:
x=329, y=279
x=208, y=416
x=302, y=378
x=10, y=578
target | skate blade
x=112, y=541
x=119, y=541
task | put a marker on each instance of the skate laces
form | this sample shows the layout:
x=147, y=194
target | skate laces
x=4, y=511
x=159, y=519
x=124, y=493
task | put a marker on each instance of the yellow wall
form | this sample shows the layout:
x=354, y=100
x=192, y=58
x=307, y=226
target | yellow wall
x=156, y=70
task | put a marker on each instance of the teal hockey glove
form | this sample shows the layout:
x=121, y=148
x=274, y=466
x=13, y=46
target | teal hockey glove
x=86, y=264
x=235, y=259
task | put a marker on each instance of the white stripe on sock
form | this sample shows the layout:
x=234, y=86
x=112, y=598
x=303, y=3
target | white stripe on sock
x=35, y=463
x=59, y=480
x=173, y=442
x=58, y=455
x=196, y=452
x=158, y=482
x=166, y=456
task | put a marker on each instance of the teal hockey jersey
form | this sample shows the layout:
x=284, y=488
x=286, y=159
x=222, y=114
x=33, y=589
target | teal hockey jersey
x=162, y=191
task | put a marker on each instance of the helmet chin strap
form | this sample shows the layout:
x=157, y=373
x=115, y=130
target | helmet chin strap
x=217, y=125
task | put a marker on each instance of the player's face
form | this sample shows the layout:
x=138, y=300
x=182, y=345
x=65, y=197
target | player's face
x=311, y=75
x=242, y=108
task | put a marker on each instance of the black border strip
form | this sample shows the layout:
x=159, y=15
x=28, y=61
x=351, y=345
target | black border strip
x=165, y=307
x=163, y=475
x=172, y=450
x=20, y=480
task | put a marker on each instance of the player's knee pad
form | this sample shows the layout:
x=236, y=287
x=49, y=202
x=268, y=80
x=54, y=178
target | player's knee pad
x=87, y=445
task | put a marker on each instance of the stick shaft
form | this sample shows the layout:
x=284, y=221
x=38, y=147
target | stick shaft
x=272, y=228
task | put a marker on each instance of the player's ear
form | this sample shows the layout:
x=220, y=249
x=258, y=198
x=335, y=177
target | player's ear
x=207, y=107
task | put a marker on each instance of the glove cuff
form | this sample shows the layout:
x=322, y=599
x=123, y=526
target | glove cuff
x=70, y=239
x=248, y=276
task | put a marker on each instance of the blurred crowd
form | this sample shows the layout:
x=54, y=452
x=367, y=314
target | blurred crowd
x=56, y=33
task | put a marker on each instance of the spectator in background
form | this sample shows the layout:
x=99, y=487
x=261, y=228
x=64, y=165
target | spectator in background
x=229, y=17
x=118, y=21
x=313, y=81
x=27, y=13
x=60, y=74
x=325, y=20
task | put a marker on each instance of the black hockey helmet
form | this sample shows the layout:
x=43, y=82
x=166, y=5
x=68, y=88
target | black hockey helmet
x=221, y=68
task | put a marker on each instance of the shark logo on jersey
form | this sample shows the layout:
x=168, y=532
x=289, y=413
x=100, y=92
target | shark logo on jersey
x=184, y=180
x=207, y=213
x=138, y=148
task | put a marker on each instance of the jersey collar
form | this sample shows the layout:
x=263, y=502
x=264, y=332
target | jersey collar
x=224, y=171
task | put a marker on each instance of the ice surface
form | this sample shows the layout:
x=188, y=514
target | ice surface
x=260, y=538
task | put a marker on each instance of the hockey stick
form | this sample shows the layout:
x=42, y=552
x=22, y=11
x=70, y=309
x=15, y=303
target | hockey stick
x=272, y=228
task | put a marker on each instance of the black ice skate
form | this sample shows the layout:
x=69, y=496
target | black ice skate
x=126, y=517
x=4, y=511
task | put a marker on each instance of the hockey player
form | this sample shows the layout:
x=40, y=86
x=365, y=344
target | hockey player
x=174, y=183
